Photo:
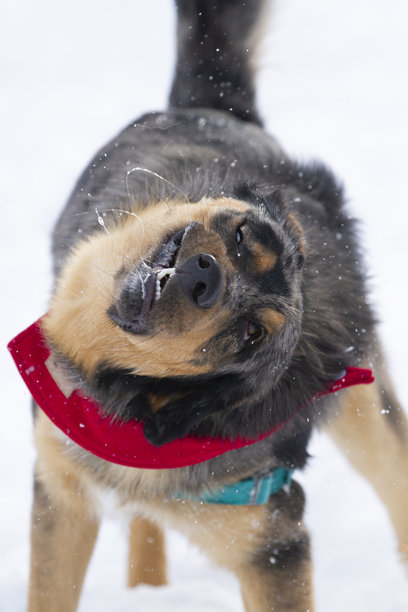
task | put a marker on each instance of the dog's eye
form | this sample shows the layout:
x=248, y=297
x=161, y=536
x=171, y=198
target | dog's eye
x=252, y=333
x=239, y=236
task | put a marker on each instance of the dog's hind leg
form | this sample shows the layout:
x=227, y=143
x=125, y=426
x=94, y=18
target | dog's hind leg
x=372, y=431
x=147, y=556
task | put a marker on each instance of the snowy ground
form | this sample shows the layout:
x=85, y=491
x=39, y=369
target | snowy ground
x=332, y=85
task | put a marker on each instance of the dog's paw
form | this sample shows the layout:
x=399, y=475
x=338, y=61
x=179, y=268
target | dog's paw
x=156, y=433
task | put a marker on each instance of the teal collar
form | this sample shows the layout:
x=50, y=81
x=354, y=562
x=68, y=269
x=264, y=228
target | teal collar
x=250, y=491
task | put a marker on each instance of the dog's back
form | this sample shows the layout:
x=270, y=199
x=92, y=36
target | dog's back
x=212, y=92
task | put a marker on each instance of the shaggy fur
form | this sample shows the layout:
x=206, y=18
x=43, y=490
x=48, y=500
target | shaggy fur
x=275, y=308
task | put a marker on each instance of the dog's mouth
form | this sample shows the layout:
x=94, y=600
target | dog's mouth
x=162, y=269
x=144, y=290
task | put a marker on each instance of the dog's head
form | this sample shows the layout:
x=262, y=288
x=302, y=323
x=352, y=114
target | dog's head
x=182, y=309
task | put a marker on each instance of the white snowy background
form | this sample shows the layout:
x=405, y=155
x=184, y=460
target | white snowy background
x=333, y=85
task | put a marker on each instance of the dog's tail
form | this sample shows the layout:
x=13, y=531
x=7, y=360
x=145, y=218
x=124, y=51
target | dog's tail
x=217, y=40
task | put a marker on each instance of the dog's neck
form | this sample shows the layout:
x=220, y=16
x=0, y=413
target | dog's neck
x=81, y=419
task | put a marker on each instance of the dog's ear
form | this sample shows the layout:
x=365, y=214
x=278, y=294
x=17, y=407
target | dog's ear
x=264, y=196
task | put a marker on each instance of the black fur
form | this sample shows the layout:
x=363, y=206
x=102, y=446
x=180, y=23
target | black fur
x=213, y=68
x=283, y=553
x=209, y=144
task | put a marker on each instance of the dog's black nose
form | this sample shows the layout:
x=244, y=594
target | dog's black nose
x=201, y=278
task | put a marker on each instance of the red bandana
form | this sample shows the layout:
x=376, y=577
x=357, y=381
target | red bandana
x=81, y=420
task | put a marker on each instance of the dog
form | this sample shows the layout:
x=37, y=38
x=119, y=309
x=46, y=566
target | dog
x=209, y=311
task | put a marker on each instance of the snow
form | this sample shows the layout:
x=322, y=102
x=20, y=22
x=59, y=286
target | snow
x=332, y=86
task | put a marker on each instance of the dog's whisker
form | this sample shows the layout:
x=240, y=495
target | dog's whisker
x=94, y=265
x=106, y=288
x=102, y=223
x=156, y=127
x=103, y=273
x=140, y=169
x=150, y=336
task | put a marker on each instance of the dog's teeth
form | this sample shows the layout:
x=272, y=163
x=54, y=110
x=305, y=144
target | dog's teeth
x=165, y=272
x=159, y=275
x=158, y=291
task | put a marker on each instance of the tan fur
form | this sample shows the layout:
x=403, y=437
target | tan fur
x=68, y=482
x=272, y=319
x=266, y=546
x=279, y=593
x=296, y=228
x=264, y=259
x=58, y=563
x=243, y=539
x=63, y=530
x=231, y=535
x=147, y=555
x=366, y=434
x=60, y=376
x=158, y=401
x=87, y=285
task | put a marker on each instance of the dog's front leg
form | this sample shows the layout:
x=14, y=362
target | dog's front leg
x=62, y=541
x=277, y=573
x=266, y=546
